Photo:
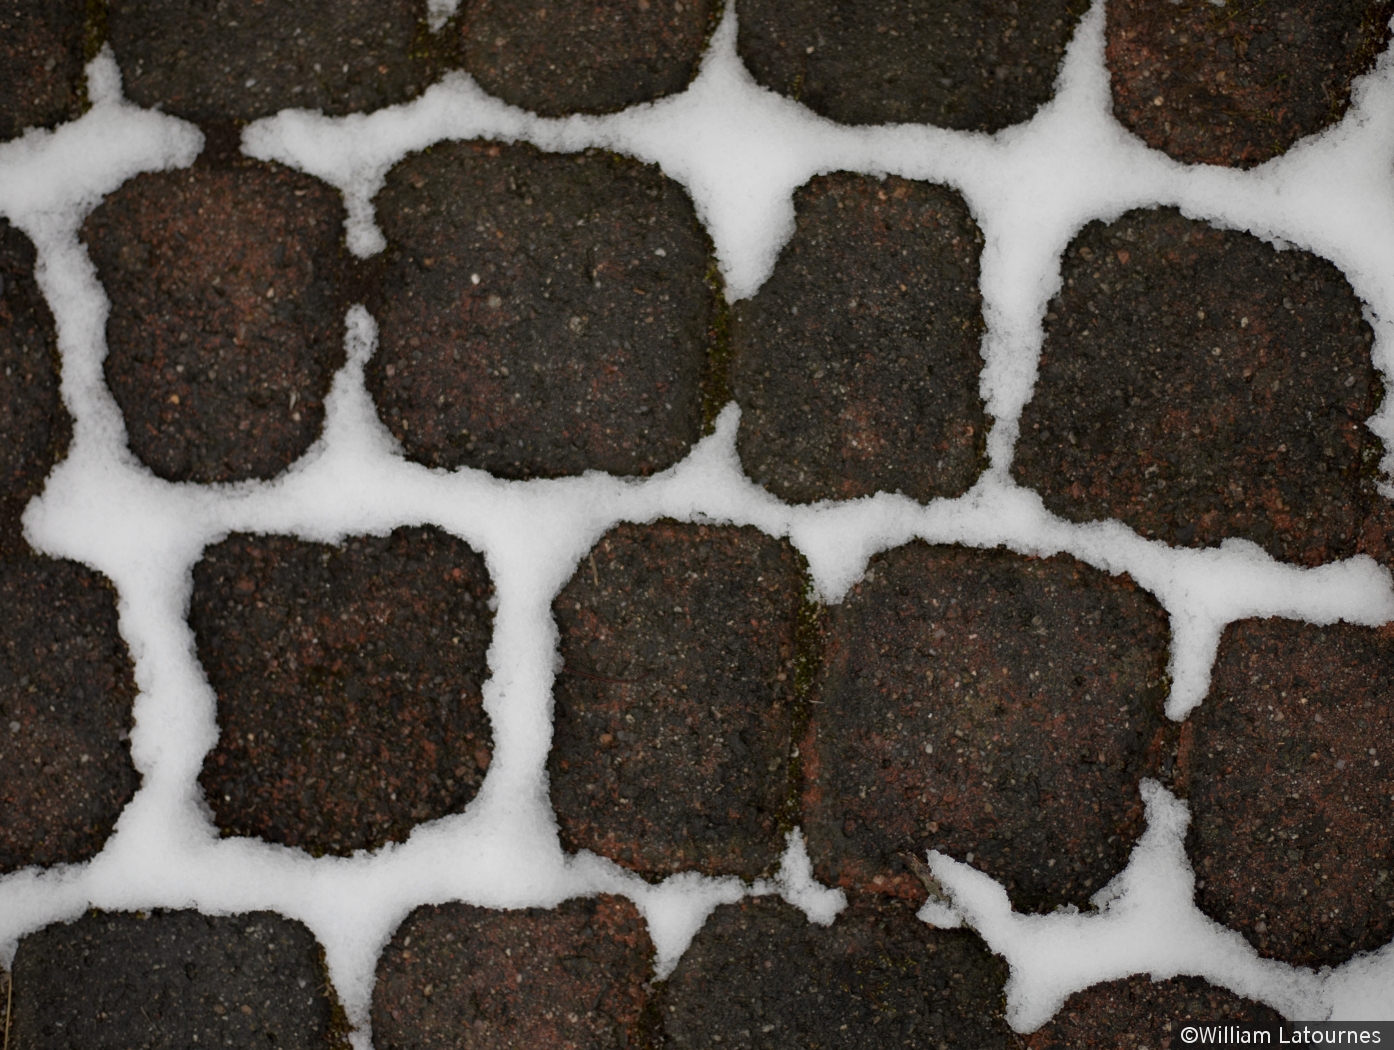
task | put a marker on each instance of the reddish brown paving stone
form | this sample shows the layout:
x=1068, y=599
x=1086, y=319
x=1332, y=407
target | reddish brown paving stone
x=1237, y=84
x=574, y=977
x=1137, y=1013
x=348, y=681
x=246, y=59
x=856, y=364
x=760, y=975
x=1039, y=685
x=66, y=689
x=40, y=63
x=173, y=979
x=597, y=56
x=226, y=323
x=1136, y=416
x=1288, y=763
x=680, y=760
x=581, y=345
x=33, y=421
x=954, y=63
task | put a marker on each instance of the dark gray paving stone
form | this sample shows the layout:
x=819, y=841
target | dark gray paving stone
x=246, y=59
x=593, y=57
x=66, y=689
x=965, y=64
x=40, y=63
x=541, y=314
x=574, y=977
x=857, y=363
x=1290, y=771
x=348, y=681
x=759, y=975
x=670, y=749
x=227, y=292
x=997, y=708
x=1198, y=384
x=1238, y=84
x=172, y=980
x=1138, y=1013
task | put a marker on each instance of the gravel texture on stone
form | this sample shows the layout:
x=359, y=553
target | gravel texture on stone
x=961, y=64
x=227, y=307
x=997, y=708
x=1238, y=83
x=40, y=63
x=541, y=314
x=759, y=975
x=574, y=977
x=348, y=681
x=35, y=425
x=1198, y=384
x=245, y=59
x=670, y=749
x=596, y=56
x=1288, y=764
x=171, y=980
x=1138, y=1013
x=857, y=364
x=66, y=689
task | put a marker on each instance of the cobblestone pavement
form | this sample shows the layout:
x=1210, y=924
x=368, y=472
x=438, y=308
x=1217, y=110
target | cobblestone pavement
x=541, y=315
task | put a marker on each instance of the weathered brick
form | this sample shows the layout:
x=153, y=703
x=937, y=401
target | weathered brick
x=348, y=681
x=1288, y=764
x=574, y=978
x=997, y=708
x=1137, y=1013
x=40, y=63
x=671, y=742
x=226, y=322
x=173, y=979
x=594, y=57
x=759, y=975
x=35, y=425
x=1198, y=384
x=954, y=63
x=856, y=364
x=246, y=59
x=66, y=689
x=541, y=314
x=1238, y=84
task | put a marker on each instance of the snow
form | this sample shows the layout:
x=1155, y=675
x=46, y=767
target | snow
x=740, y=151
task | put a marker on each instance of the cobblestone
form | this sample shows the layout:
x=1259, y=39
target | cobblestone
x=1238, y=84
x=760, y=975
x=66, y=689
x=541, y=314
x=226, y=323
x=595, y=57
x=997, y=708
x=1288, y=763
x=856, y=364
x=1137, y=1013
x=245, y=59
x=574, y=977
x=173, y=979
x=40, y=63
x=348, y=681
x=1198, y=384
x=954, y=63
x=673, y=709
